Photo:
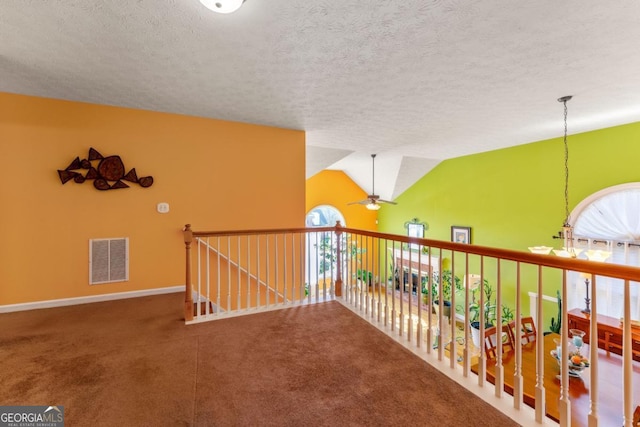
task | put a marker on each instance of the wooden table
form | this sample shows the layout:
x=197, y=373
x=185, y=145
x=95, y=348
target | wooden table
x=610, y=385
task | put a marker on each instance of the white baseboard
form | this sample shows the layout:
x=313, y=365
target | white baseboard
x=88, y=299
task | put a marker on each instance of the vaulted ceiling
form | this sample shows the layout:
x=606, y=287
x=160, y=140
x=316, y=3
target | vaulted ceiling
x=415, y=81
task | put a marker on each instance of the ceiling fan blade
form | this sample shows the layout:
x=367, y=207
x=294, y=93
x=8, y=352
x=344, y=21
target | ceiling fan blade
x=361, y=202
x=387, y=201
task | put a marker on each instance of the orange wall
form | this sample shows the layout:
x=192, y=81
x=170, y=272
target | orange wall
x=335, y=188
x=211, y=172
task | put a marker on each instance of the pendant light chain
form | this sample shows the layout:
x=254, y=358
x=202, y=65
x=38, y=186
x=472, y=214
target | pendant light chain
x=566, y=165
x=567, y=229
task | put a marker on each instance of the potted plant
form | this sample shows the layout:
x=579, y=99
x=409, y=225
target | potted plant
x=365, y=276
x=556, y=324
x=490, y=313
x=448, y=282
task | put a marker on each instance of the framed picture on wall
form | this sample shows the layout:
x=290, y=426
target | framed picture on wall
x=460, y=234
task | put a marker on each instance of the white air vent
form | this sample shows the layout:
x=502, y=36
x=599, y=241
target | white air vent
x=108, y=260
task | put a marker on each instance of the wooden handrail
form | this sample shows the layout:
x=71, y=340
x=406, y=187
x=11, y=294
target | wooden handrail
x=596, y=268
x=260, y=231
x=592, y=267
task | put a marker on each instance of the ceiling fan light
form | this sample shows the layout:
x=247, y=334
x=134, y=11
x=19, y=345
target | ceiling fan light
x=373, y=206
x=222, y=6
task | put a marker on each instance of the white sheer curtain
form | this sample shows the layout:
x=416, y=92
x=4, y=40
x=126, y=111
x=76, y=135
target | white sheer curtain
x=609, y=222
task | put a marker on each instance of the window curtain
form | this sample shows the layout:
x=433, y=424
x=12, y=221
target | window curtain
x=610, y=223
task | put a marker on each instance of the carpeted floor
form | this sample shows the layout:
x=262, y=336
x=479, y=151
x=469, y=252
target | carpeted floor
x=134, y=363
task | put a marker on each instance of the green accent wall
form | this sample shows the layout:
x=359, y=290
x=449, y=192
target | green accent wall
x=514, y=197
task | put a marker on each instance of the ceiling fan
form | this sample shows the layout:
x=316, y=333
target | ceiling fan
x=372, y=201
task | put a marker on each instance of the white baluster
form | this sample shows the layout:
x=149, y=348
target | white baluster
x=249, y=272
x=593, y=341
x=627, y=357
x=258, y=281
x=540, y=391
x=239, y=271
x=218, y=270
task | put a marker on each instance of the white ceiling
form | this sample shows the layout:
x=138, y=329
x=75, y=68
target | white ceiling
x=415, y=81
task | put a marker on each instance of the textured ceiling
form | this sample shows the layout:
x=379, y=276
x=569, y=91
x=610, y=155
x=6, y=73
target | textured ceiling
x=415, y=81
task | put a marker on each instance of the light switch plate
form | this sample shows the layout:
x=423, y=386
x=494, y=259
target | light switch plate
x=163, y=207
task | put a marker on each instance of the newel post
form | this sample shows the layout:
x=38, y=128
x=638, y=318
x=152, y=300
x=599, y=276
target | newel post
x=338, y=286
x=188, y=297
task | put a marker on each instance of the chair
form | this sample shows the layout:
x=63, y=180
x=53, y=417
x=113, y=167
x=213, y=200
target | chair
x=491, y=343
x=527, y=330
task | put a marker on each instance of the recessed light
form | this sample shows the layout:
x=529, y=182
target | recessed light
x=222, y=6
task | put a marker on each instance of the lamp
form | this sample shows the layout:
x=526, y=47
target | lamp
x=587, y=301
x=373, y=206
x=222, y=6
x=592, y=255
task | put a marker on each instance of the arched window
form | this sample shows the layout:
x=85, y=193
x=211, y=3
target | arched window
x=324, y=216
x=609, y=220
x=612, y=213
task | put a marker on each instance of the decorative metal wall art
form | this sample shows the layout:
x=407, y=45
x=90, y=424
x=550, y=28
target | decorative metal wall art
x=107, y=173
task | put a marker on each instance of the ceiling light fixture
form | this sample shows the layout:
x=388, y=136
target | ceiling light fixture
x=568, y=251
x=222, y=6
x=373, y=206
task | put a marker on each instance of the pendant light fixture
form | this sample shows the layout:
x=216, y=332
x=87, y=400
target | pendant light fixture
x=222, y=6
x=568, y=250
